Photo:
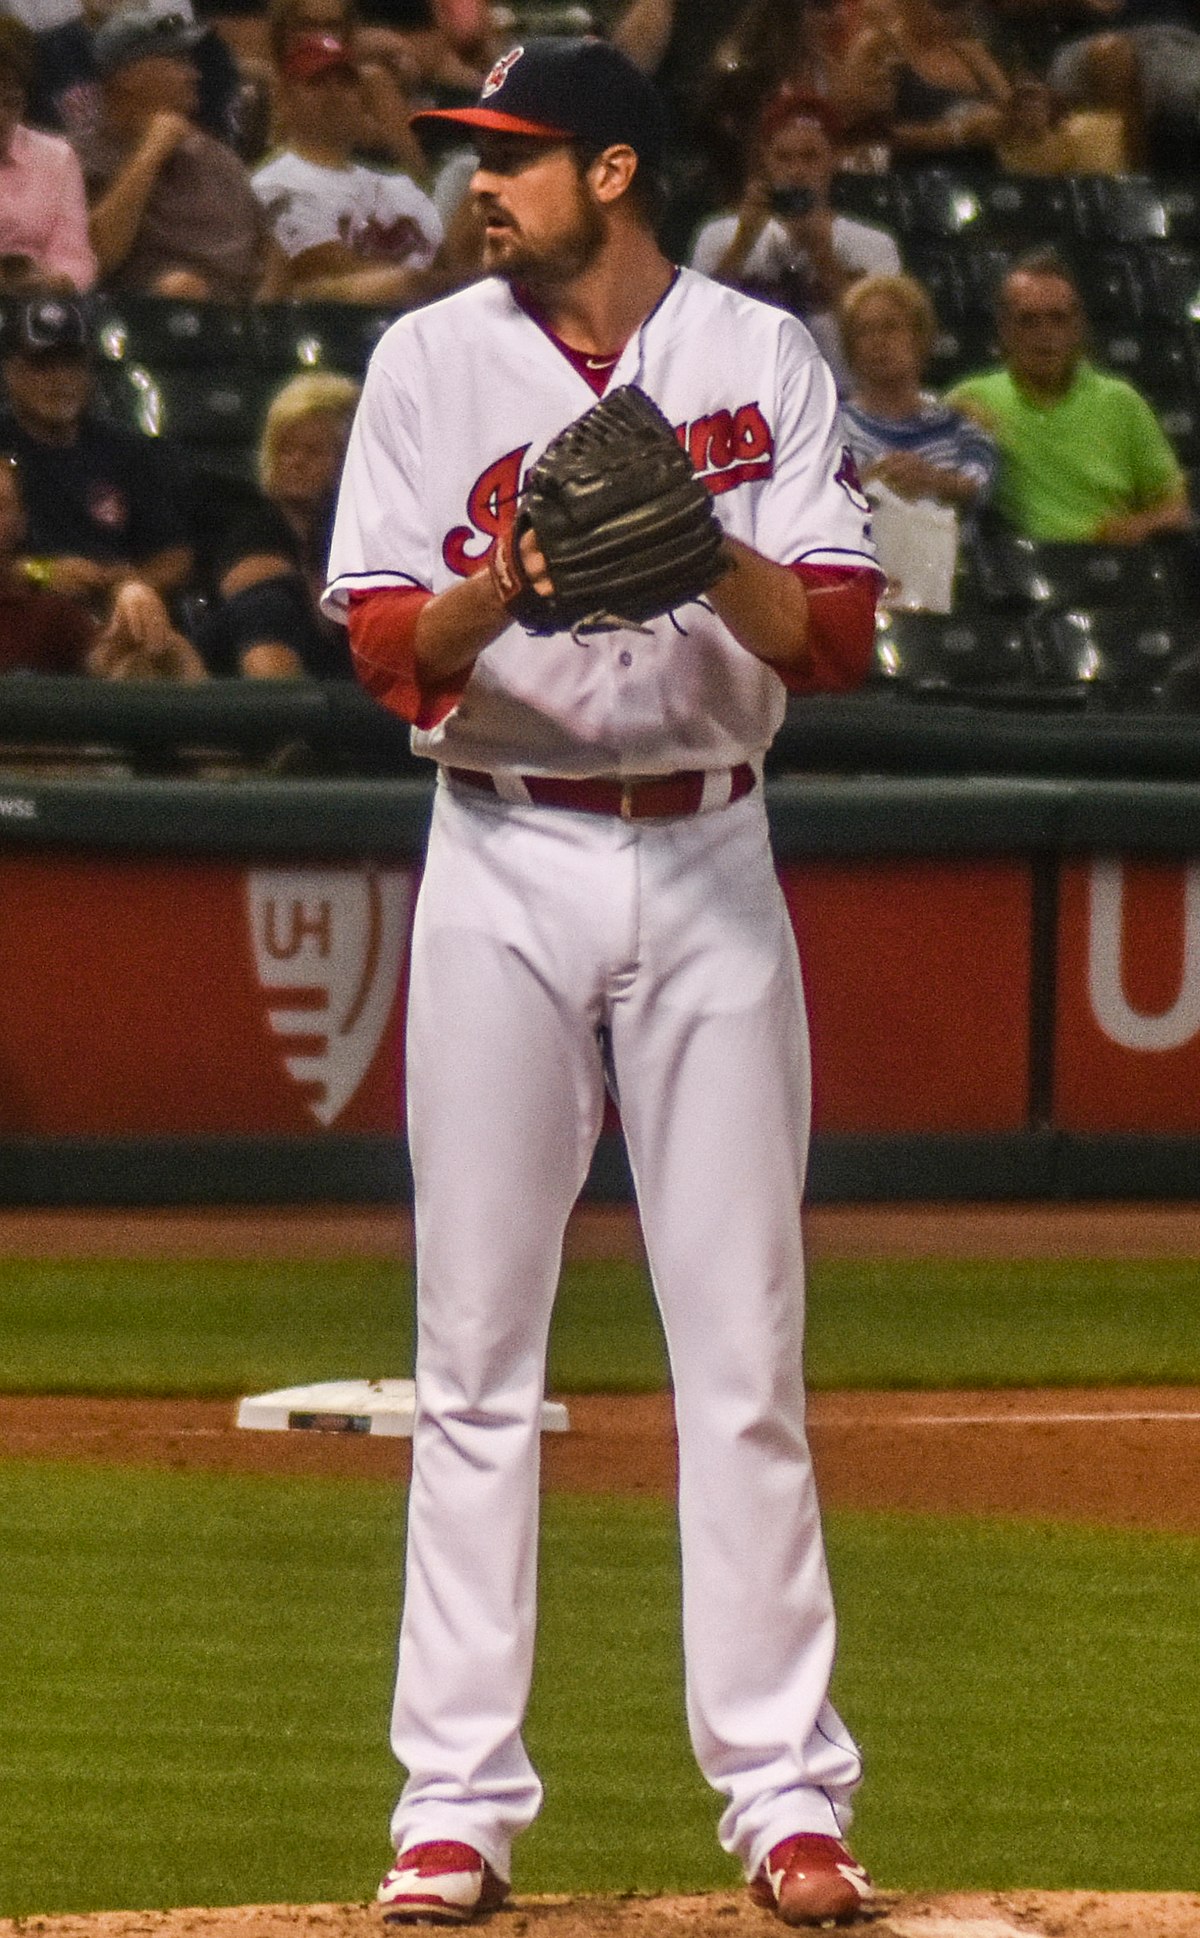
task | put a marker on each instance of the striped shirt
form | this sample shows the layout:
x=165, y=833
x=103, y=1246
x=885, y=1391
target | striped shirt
x=939, y=434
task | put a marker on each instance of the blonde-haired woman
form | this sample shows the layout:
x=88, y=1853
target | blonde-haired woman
x=269, y=569
x=899, y=432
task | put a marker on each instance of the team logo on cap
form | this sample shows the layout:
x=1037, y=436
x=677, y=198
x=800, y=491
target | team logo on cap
x=500, y=73
x=45, y=321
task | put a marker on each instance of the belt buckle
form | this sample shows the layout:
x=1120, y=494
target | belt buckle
x=627, y=797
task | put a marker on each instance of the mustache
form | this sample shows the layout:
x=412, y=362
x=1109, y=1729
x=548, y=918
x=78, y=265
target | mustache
x=490, y=210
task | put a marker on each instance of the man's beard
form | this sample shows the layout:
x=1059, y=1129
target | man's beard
x=551, y=266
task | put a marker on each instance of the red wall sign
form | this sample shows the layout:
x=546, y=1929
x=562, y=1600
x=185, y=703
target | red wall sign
x=166, y=997
x=918, y=978
x=144, y=997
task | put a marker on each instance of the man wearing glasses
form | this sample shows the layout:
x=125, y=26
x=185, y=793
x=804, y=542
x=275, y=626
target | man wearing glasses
x=1083, y=457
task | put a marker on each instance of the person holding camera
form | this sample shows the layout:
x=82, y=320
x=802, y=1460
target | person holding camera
x=784, y=242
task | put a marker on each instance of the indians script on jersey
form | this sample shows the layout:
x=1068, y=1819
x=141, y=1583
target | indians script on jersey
x=727, y=448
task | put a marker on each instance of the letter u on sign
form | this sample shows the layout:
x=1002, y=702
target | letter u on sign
x=1170, y=1028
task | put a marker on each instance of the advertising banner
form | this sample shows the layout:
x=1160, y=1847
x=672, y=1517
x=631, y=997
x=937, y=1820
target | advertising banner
x=169, y=997
x=162, y=997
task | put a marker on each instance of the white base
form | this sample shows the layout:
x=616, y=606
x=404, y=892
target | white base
x=353, y=1406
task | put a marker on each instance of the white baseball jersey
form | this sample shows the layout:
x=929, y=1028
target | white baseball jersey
x=380, y=216
x=462, y=397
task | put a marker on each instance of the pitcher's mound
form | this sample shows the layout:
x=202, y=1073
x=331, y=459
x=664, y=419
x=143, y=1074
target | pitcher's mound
x=1008, y=1914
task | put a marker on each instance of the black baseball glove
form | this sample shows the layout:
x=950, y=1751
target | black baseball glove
x=625, y=526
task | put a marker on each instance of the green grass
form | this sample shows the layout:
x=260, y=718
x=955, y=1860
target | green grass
x=1041, y=1322
x=198, y=1670
x=229, y=1327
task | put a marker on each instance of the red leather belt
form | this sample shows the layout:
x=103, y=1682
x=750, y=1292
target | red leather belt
x=656, y=798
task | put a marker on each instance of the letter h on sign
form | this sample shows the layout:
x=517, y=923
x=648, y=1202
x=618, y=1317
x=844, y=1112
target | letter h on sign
x=306, y=921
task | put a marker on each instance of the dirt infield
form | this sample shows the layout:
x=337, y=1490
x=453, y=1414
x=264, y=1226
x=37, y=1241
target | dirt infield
x=1126, y=1458
x=609, y=1231
x=1123, y=1458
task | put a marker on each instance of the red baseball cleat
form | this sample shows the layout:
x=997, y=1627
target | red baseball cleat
x=442, y=1883
x=812, y=1880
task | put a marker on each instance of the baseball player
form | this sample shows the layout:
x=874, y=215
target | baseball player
x=599, y=891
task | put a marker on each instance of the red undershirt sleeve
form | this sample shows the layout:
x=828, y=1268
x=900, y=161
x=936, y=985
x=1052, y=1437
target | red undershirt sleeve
x=382, y=624
x=841, y=627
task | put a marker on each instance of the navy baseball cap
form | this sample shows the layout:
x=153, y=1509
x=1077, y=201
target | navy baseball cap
x=563, y=89
x=132, y=32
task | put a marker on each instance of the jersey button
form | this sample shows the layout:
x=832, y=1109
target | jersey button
x=627, y=658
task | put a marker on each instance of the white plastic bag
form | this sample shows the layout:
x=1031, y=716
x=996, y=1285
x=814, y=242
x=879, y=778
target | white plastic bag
x=917, y=542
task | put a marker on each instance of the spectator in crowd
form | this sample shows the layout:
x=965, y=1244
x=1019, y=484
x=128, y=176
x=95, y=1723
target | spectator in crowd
x=949, y=95
x=1083, y=456
x=42, y=631
x=43, y=210
x=714, y=94
x=65, y=91
x=784, y=241
x=173, y=212
x=269, y=567
x=103, y=505
x=428, y=44
x=899, y=432
x=675, y=42
x=702, y=53
x=385, y=76
x=1142, y=60
x=1042, y=135
x=351, y=233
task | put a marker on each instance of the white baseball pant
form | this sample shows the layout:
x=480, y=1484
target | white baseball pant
x=534, y=928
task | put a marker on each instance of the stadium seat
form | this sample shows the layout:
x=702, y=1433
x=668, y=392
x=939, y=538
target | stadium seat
x=1014, y=574
x=954, y=656
x=1121, y=208
x=940, y=269
x=292, y=337
x=1115, y=287
x=983, y=263
x=1120, y=654
x=1171, y=272
x=1029, y=211
x=1182, y=205
x=1180, y=419
x=959, y=351
x=154, y=331
x=1159, y=361
x=213, y=416
x=879, y=199
x=942, y=204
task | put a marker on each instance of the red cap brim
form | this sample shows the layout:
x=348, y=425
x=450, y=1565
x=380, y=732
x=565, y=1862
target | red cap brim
x=503, y=124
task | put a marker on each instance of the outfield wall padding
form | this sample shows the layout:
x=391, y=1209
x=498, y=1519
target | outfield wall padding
x=204, y=980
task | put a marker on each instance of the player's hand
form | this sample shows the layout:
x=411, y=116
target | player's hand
x=534, y=566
